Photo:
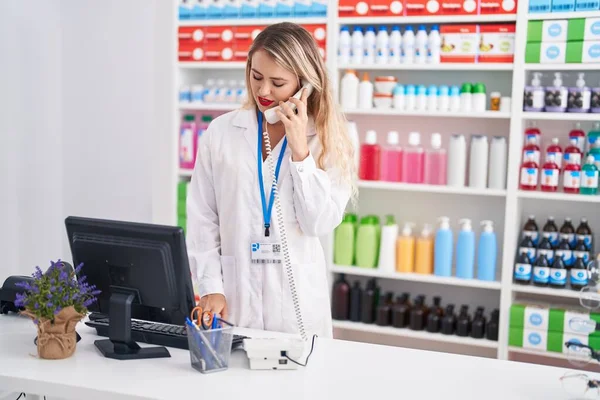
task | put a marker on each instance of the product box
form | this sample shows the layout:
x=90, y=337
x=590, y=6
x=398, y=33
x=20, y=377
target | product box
x=190, y=35
x=190, y=52
x=563, y=5
x=249, y=8
x=547, y=31
x=386, y=8
x=581, y=29
x=529, y=316
x=459, y=43
x=231, y=8
x=351, y=8
x=496, y=43
x=215, y=10
x=539, y=6
x=497, y=7
x=587, y=5
x=528, y=338
x=545, y=53
x=185, y=9
x=459, y=7
x=422, y=7
x=583, y=52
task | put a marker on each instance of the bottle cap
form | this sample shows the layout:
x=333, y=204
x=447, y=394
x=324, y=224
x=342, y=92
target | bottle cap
x=345, y=29
x=454, y=91
x=479, y=88
x=398, y=89
x=351, y=218
x=436, y=141
x=371, y=29
x=351, y=71
x=189, y=118
x=371, y=137
x=466, y=88
x=432, y=90
x=390, y=220
x=207, y=118
x=357, y=29
x=365, y=76
x=414, y=139
x=443, y=90
x=555, y=140
x=488, y=226
x=535, y=81
x=421, y=89
x=395, y=28
x=580, y=80
x=410, y=90
x=435, y=28
x=444, y=222
x=409, y=28
x=407, y=229
x=590, y=159
x=465, y=224
x=557, y=79
x=495, y=94
x=382, y=28
x=427, y=229
x=422, y=28
x=393, y=138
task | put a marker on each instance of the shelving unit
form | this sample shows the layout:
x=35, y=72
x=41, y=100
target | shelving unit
x=575, y=198
x=437, y=114
x=541, y=116
x=407, y=187
x=430, y=67
x=546, y=291
x=208, y=107
x=433, y=19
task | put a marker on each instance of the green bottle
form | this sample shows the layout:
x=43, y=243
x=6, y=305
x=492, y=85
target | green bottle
x=367, y=243
x=345, y=236
x=593, y=137
x=589, y=177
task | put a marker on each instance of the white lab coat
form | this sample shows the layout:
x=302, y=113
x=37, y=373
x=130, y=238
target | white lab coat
x=224, y=214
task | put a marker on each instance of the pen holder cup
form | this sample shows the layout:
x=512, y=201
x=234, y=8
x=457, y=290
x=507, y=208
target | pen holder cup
x=210, y=349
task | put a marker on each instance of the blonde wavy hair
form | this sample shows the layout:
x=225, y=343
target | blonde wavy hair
x=293, y=48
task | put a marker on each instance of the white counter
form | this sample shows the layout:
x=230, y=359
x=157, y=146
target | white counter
x=337, y=370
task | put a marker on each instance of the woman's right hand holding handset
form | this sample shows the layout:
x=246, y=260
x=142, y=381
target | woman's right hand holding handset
x=214, y=303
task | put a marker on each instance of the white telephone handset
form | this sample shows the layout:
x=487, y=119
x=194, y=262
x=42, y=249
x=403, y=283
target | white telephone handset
x=270, y=114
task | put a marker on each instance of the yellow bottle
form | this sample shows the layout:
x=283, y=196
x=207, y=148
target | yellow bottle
x=405, y=250
x=424, y=251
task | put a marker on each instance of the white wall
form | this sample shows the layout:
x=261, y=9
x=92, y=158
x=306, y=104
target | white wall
x=88, y=122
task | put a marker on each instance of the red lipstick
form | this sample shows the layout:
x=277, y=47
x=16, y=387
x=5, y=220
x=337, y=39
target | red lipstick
x=265, y=102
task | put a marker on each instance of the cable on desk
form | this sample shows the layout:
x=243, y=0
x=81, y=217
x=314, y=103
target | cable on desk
x=312, y=346
x=21, y=394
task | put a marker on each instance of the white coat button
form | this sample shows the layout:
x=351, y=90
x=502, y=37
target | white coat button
x=301, y=169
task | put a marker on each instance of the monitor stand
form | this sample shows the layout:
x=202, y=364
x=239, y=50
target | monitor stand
x=120, y=346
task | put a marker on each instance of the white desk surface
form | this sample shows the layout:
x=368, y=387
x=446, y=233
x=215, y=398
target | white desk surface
x=336, y=370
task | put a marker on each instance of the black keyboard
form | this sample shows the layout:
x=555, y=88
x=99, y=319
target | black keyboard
x=156, y=333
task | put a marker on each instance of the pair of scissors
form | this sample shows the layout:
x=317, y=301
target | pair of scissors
x=204, y=319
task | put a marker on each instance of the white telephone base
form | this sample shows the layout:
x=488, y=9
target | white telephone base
x=271, y=353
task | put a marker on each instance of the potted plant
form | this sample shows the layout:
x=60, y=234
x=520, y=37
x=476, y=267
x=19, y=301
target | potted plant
x=56, y=300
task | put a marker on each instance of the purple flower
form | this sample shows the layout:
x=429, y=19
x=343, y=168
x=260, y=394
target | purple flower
x=36, y=306
x=49, y=296
x=96, y=292
x=35, y=289
x=36, y=321
x=57, y=310
x=65, y=297
x=23, y=285
x=38, y=273
x=49, y=304
x=63, y=276
x=20, y=299
x=89, y=302
x=78, y=268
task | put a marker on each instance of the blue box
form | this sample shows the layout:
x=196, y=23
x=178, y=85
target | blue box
x=319, y=8
x=266, y=8
x=302, y=8
x=284, y=8
x=231, y=9
x=200, y=9
x=214, y=11
x=587, y=5
x=249, y=9
x=539, y=6
x=563, y=5
x=185, y=12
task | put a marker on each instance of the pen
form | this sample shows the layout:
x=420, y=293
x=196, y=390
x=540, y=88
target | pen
x=204, y=341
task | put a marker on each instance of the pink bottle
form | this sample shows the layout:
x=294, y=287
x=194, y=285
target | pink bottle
x=413, y=160
x=555, y=151
x=391, y=159
x=435, y=162
x=532, y=148
x=370, y=158
x=188, y=142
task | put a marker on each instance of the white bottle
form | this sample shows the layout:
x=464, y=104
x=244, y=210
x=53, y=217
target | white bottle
x=421, y=98
x=365, y=93
x=241, y=92
x=209, y=91
x=370, y=49
x=356, y=54
x=432, y=99
x=457, y=161
x=408, y=46
x=383, y=46
x=466, y=98
x=497, y=167
x=434, y=43
x=478, y=162
x=443, y=99
x=454, y=99
x=220, y=91
x=478, y=98
x=231, y=95
x=349, y=90
x=580, y=95
x=398, y=100
x=387, y=248
x=421, y=45
x=410, y=98
x=344, y=45
x=395, y=45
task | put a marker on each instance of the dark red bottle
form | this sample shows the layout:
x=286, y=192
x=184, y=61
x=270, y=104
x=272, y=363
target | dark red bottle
x=529, y=174
x=341, y=299
x=572, y=153
x=532, y=148
x=370, y=158
x=578, y=135
x=550, y=174
x=571, y=177
x=555, y=150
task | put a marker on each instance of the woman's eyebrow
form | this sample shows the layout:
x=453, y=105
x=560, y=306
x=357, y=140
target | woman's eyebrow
x=275, y=78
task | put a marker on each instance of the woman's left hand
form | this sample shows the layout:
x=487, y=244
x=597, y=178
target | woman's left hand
x=296, y=126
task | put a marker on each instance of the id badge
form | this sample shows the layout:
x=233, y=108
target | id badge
x=265, y=252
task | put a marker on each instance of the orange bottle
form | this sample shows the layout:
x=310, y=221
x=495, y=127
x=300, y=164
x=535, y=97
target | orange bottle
x=424, y=251
x=405, y=250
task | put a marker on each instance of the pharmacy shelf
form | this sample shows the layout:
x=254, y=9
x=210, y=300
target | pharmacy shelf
x=437, y=114
x=413, y=277
x=546, y=291
x=212, y=64
x=431, y=19
x=185, y=172
x=538, y=353
x=576, y=198
x=208, y=106
x=550, y=116
x=408, y=187
x=408, y=333
x=564, y=15
x=430, y=67
x=562, y=67
x=250, y=21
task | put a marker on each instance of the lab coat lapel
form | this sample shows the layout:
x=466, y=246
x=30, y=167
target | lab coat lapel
x=246, y=119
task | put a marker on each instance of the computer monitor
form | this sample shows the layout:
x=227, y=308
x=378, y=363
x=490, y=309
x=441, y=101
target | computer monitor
x=142, y=272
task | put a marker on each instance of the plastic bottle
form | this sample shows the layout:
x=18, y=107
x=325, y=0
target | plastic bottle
x=357, y=49
x=567, y=230
x=555, y=96
x=421, y=45
x=391, y=159
x=546, y=249
x=435, y=315
x=449, y=321
x=413, y=159
x=442, y=260
x=487, y=252
x=455, y=99
x=370, y=158
x=370, y=46
x=405, y=248
x=527, y=247
x=529, y=174
x=533, y=97
x=584, y=232
x=571, y=176
x=558, y=273
x=383, y=46
x=463, y=323
x=424, y=251
x=573, y=153
x=340, y=302
x=579, y=96
x=401, y=312
x=344, y=246
x=579, y=135
x=418, y=314
x=589, y=177
x=365, y=93
x=457, y=161
x=581, y=251
x=497, y=165
x=478, y=324
x=522, y=270
x=344, y=46
x=465, y=250
x=421, y=104
x=432, y=99
x=595, y=101
x=563, y=251
x=593, y=137
x=434, y=43
x=541, y=271
x=395, y=45
x=387, y=248
x=530, y=228
x=532, y=131
x=408, y=46
x=398, y=100
x=383, y=315
x=555, y=150
x=355, y=302
x=443, y=98
x=435, y=162
x=410, y=98
x=532, y=148
x=578, y=275
x=368, y=305
x=466, y=97
x=550, y=230
x=478, y=162
x=188, y=142
x=479, y=98
x=367, y=244
x=550, y=175
x=491, y=330
x=349, y=90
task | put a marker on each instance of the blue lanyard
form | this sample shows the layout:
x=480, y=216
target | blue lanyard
x=267, y=210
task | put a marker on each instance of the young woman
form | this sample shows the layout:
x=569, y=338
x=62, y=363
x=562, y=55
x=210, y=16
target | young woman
x=234, y=234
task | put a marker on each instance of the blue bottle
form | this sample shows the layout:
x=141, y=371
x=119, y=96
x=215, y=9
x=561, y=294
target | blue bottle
x=465, y=250
x=442, y=254
x=487, y=253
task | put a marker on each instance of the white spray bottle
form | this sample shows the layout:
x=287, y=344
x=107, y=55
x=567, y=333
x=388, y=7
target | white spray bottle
x=555, y=97
x=579, y=96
